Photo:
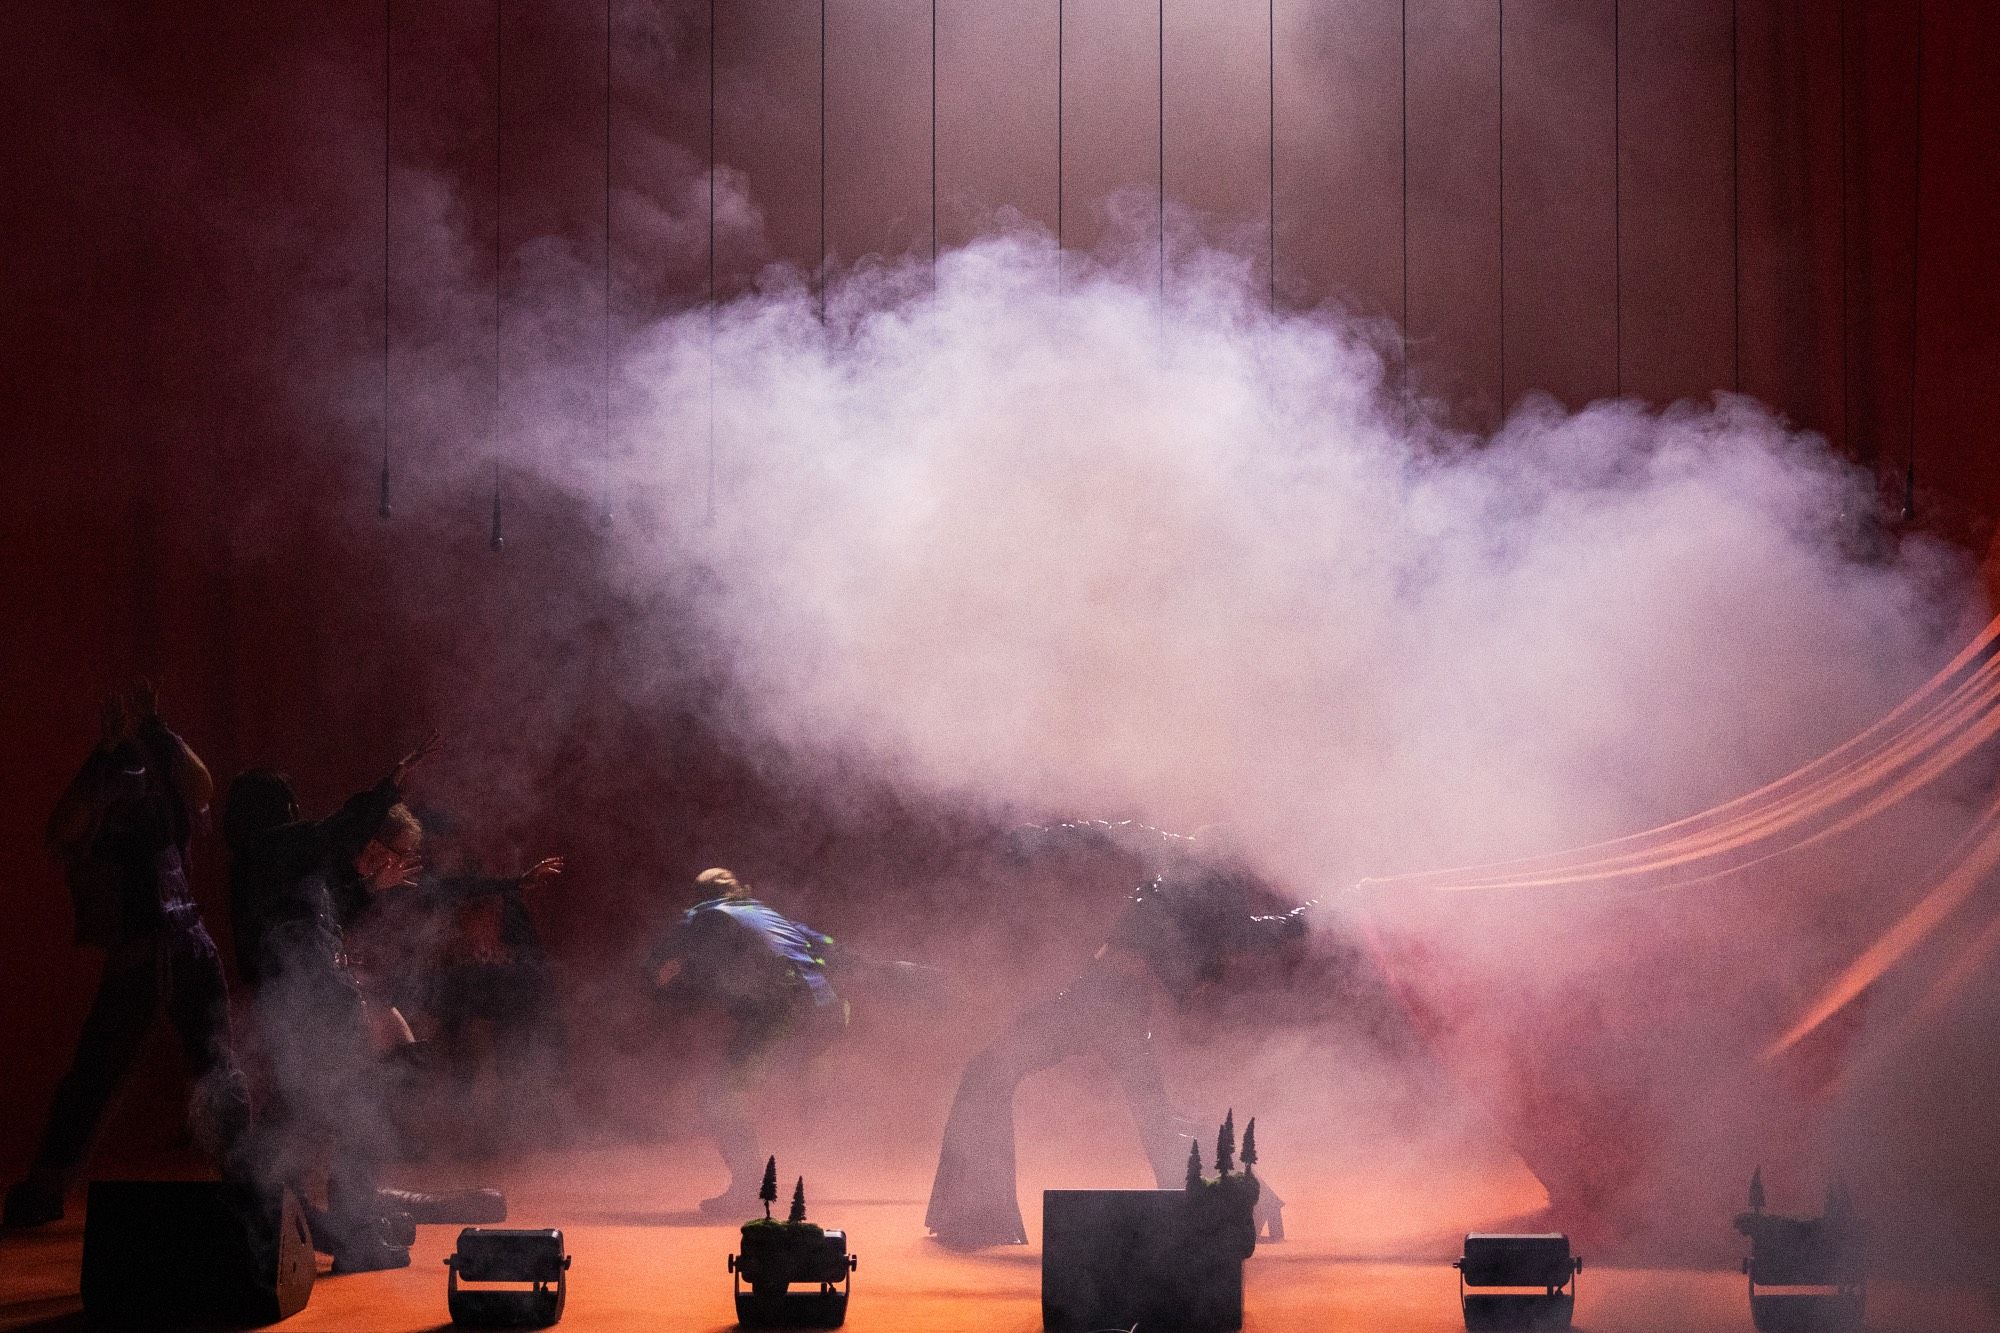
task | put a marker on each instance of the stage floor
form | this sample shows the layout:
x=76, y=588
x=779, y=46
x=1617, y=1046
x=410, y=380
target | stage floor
x=660, y=1269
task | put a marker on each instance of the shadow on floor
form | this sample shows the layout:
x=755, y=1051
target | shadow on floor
x=996, y=1256
x=686, y=1217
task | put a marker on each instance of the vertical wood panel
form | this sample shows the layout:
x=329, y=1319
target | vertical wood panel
x=1958, y=339
x=878, y=129
x=996, y=115
x=1217, y=114
x=1792, y=208
x=1112, y=127
x=1882, y=176
x=1679, y=304
x=1340, y=154
x=1561, y=333
x=767, y=113
x=1455, y=206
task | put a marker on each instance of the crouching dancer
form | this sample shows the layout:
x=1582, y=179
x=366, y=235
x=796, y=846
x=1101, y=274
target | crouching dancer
x=121, y=832
x=298, y=885
x=312, y=1034
x=1177, y=930
x=732, y=960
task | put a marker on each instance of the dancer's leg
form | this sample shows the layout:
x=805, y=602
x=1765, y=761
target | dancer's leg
x=973, y=1201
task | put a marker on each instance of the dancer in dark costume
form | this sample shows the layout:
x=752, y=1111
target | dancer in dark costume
x=272, y=846
x=1178, y=930
x=765, y=977
x=460, y=951
x=122, y=831
x=295, y=885
x=327, y=1090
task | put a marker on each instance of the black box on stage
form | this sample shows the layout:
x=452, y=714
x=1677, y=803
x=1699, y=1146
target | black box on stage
x=1115, y=1258
x=167, y=1253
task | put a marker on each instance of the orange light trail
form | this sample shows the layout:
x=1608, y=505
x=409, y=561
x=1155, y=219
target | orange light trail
x=1920, y=739
x=1984, y=721
x=1972, y=861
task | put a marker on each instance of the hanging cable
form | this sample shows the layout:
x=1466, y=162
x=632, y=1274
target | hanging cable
x=604, y=514
x=1404, y=43
x=1271, y=136
x=1500, y=133
x=710, y=510
x=1161, y=224
x=382, y=506
x=1059, y=147
x=822, y=160
x=1916, y=267
x=496, y=537
x=934, y=73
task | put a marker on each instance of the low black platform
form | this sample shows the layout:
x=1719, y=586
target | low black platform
x=1159, y=1259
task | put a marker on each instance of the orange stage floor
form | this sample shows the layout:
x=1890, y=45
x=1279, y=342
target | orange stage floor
x=645, y=1262
x=649, y=1263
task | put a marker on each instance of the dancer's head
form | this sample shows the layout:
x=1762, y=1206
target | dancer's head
x=259, y=800
x=390, y=857
x=717, y=882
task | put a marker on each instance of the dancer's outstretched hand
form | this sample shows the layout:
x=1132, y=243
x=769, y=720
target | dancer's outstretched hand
x=544, y=870
x=416, y=757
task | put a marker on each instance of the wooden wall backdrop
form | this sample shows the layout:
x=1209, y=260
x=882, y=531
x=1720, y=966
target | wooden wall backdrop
x=196, y=239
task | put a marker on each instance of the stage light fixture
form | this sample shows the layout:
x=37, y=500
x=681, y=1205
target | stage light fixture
x=529, y=1262
x=1518, y=1262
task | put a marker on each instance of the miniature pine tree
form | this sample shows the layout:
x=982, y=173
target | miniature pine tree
x=1757, y=1190
x=1225, y=1145
x=768, y=1191
x=1194, y=1166
x=798, y=1201
x=1250, y=1146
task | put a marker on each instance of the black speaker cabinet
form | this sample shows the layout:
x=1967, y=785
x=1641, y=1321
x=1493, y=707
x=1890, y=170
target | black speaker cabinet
x=163, y=1254
x=1112, y=1259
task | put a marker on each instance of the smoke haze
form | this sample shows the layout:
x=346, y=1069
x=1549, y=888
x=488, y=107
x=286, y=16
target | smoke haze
x=1063, y=551
x=1041, y=546
x=1033, y=542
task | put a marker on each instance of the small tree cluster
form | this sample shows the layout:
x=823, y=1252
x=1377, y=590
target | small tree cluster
x=1226, y=1155
x=768, y=1191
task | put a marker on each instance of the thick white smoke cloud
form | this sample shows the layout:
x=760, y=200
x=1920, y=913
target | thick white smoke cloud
x=1049, y=548
x=1056, y=550
x=1045, y=547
